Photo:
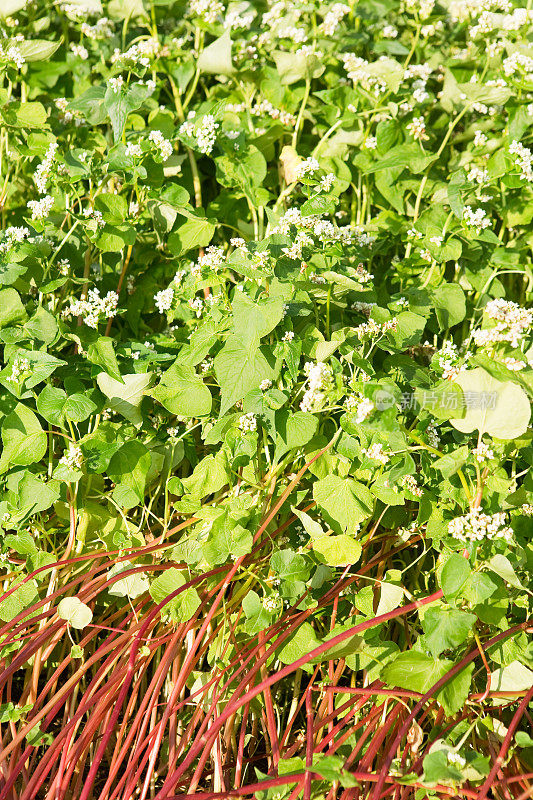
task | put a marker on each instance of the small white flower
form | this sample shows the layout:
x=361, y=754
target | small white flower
x=376, y=453
x=248, y=423
x=73, y=458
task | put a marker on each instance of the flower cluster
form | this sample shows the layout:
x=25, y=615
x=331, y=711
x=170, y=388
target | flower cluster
x=163, y=145
x=319, y=382
x=512, y=323
x=482, y=452
x=410, y=484
x=40, y=209
x=13, y=235
x=373, y=329
x=476, y=219
x=93, y=308
x=476, y=526
x=19, y=368
x=204, y=132
x=248, y=423
x=376, y=452
x=523, y=159
x=42, y=173
x=73, y=458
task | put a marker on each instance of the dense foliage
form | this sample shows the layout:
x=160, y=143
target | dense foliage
x=266, y=507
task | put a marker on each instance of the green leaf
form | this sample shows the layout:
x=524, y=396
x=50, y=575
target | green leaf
x=129, y=467
x=11, y=308
x=294, y=67
x=229, y=540
x=78, y=407
x=338, y=551
x=240, y=368
x=24, y=440
x=76, y=613
x=501, y=565
x=303, y=641
x=131, y=586
x=514, y=677
x=290, y=566
x=414, y=670
x=500, y=409
x=293, y=430
x=182, y=392
x=208, y=477
x=196, y=231
x=182, y=607
x=119, y=104
x=451, y=462
x=101, y=352
x=37, y=49
x=253, y=320
x=443, y=400
x=343, y=501
x=51, y=405
x=215, y=59
x=446, y=628
x=25, y=115
x=23, y=597
x=404, y=155
x=454, y=575
x=313, y=528
x=125, y=398
x=450, y=305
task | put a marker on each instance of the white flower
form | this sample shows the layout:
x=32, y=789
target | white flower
x=376, y=453
x=482, y=452
x=116, y=83
x=523, y=160
x=208, y=10
x=40, y=209
x=371, y=143
x=363, y=408
x=288, y=336
x=432, y=435
x=478, y=175
x=13, y=235
x=42, y=173
x=212, y=259
x=19, y=368
x=162, y=144
x=307, y=167
x=73, y=458
x=417, y=129
x=327, y=181
x=456, y=759
x=265, y=385
x=332, y=18
x=390, y=32
x=476, y=219
x=164, y=299
x=134, y=150
x=479, y=139
x=80, y=51
x=92, y=308
x=272, y=603
x=204, y=132
x=476, y=526
x=514, y=364
x=319, y=381
x=410, y=484
x=512, y=323
x=248, y=423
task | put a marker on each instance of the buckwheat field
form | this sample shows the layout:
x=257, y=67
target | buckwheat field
x=266, y=499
